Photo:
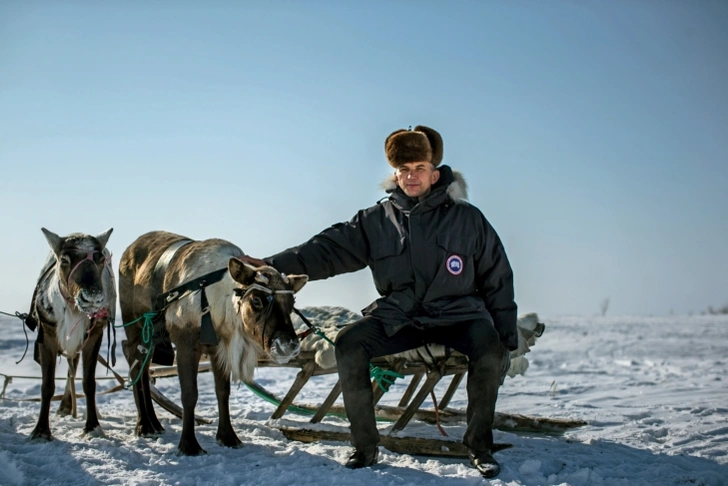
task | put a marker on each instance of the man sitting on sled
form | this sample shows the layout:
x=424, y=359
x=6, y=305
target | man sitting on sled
x=443, y=277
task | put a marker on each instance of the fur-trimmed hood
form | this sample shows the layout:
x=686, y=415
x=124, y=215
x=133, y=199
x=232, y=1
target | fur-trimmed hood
x=452, y=180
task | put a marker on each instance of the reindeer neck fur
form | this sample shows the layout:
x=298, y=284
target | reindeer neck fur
x=236, y=350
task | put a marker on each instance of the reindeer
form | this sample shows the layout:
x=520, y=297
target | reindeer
x=209, y=302
x=73, y=302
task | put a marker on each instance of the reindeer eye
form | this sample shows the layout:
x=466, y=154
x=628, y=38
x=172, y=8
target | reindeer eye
x=65, y=260
x=257, y=303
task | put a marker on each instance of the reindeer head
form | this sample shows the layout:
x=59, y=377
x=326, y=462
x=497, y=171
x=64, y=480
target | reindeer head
x=80, y=263
x=265, y=302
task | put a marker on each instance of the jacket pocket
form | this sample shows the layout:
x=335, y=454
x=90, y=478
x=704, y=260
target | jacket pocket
x=388, y=266
x=455, y=274
x=456, y=244
x=387, y=248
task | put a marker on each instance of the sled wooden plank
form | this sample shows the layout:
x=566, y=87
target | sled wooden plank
x=326, y=406
x=172, y=407
x=301, y=379
x=407, y=395
x=526, y=423
x=397, y=366
x=167, y=371
x=454, y=384
x=117, y=376
x=158, y=396
x=403, y=445
x=432, y=379
x=56, y=398
x=502, y=421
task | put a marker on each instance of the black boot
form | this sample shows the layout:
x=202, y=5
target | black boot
x=364, y=457
x=484, y=462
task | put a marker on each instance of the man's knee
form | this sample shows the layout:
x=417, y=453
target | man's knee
x=349, y=344
x=489, y=358
x=344, y=341
x=485, y=342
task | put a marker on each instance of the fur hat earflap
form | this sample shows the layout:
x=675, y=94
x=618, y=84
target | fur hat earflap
x=421, y=144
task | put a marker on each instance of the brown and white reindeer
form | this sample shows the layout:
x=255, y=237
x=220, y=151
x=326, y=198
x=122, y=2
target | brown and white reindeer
x=247, y=307
x=73, y=302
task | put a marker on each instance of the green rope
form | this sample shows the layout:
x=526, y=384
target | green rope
x=292, y=408
x=321, y=334
x=147, y=332
x=381, y=376
x=262, y=393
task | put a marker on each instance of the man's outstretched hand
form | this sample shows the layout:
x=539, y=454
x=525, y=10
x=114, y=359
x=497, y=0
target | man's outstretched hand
x=256, y=262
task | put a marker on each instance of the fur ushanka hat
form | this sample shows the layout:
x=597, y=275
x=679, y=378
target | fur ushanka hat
x=421, y=144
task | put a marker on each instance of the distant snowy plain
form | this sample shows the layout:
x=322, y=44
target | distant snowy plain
x=654, y=391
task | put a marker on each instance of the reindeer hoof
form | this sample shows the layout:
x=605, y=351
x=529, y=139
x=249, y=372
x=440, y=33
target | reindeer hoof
x=40, y=436
x=230, y=441
x=190, y=450
x=64, y=411
x=149, y=431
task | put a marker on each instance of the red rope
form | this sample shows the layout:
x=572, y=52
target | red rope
x=437, y=414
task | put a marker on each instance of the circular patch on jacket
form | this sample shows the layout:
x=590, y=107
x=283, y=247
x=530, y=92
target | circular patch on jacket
x=455, y=265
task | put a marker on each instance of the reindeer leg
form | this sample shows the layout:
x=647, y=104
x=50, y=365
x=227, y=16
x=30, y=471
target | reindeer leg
x=68, y=402
x=90, y=355
x=225, y=434
x=188, y=360
x=154, y=423
x=48, y=351
x=147, y=423
x=139, y=374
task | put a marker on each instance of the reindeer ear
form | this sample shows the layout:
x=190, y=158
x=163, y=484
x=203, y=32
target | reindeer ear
x=55, y=241
x=297, y=282
x=104, y=237
x=241, y=272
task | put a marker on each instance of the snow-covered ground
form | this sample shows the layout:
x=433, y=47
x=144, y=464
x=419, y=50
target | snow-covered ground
x=653, y=390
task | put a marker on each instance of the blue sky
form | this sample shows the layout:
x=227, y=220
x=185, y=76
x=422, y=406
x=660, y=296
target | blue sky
x=593, y=135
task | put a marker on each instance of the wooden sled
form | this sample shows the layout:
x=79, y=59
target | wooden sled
x=408, y=408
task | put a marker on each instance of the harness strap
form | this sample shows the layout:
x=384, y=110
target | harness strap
x=89, y=257
x=111, y=353
x=175, y=294
x=207, y=331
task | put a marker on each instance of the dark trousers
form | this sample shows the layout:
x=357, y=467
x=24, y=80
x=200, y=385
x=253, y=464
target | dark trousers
x=365, y=339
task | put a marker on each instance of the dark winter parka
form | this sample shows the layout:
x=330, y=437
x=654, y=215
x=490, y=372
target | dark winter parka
x=435, y=262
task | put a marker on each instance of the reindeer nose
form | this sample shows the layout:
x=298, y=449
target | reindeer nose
x=283, y=351
x=92, y=296
x=90, y=300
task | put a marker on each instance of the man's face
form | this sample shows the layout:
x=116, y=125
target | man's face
x=416, y=178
